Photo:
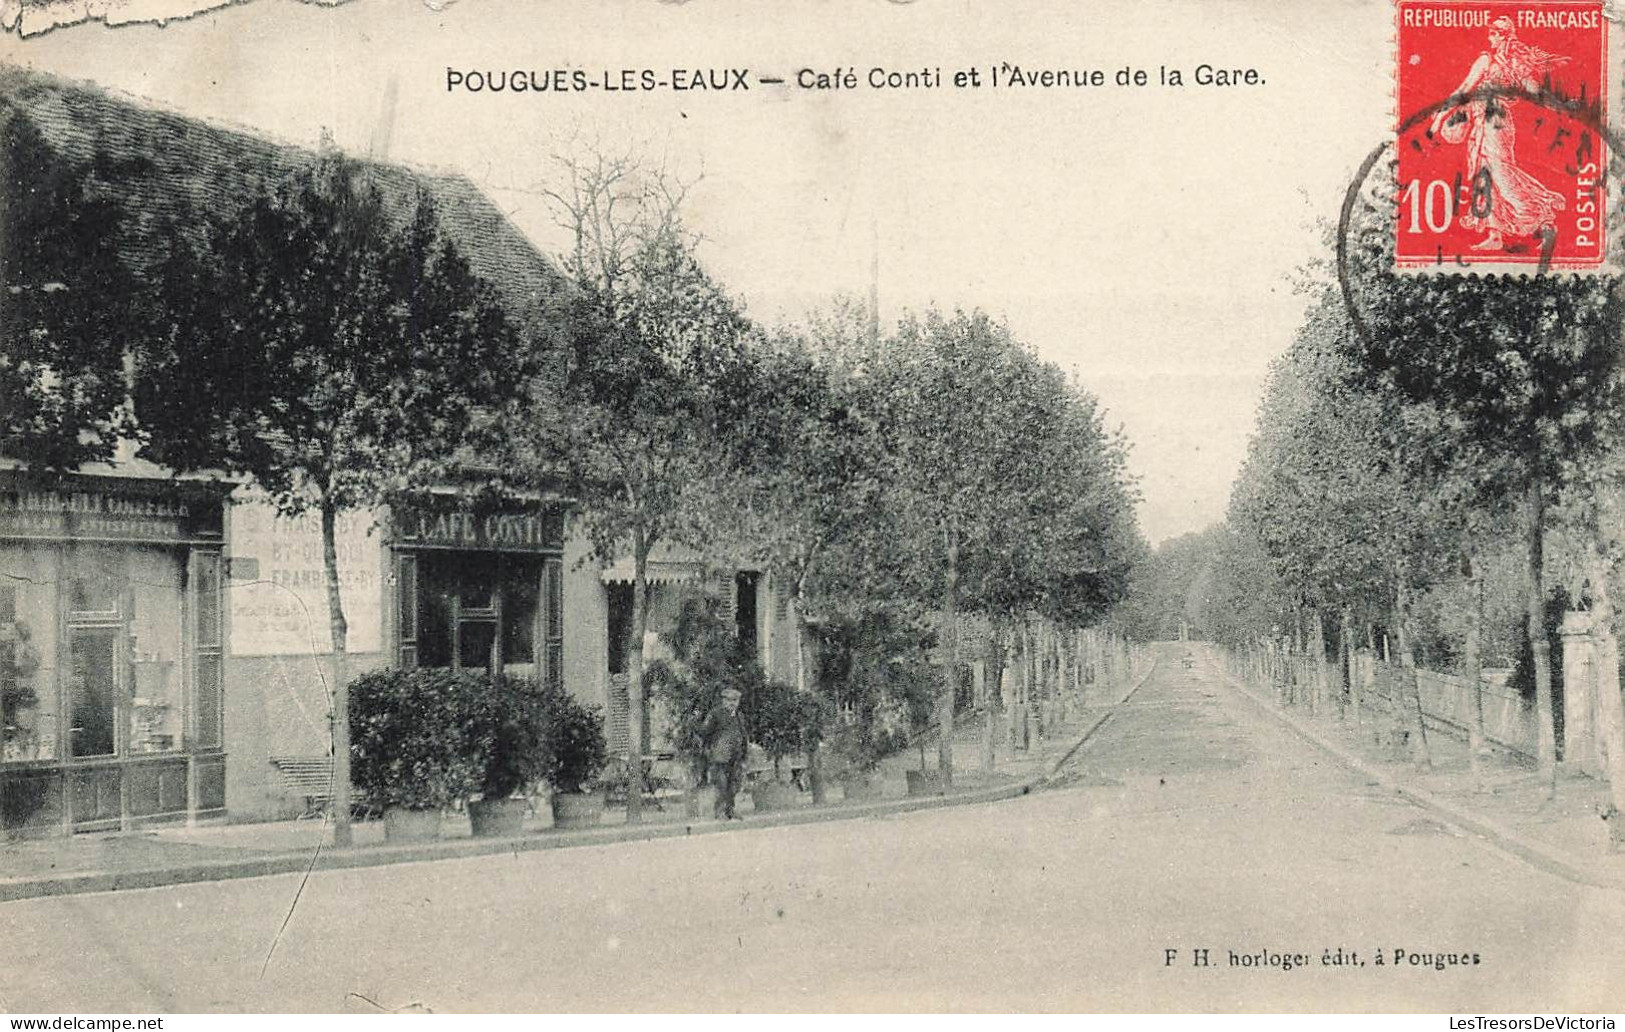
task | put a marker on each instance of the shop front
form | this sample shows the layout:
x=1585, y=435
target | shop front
x=478, y=589
x=111, y=632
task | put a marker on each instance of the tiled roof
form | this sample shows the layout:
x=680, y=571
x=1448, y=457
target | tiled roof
x=168, y=164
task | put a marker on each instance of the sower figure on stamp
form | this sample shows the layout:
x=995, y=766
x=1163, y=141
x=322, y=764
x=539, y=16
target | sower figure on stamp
x=1515, y=203
x=723, y=734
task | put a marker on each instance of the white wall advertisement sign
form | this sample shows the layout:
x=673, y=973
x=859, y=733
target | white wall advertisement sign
x=282, y=609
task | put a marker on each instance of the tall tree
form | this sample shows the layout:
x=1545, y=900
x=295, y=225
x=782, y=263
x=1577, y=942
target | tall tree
x=809, y=469
x=1527, y=374
x=944, y=377
x=1339, y=492
x=1006, y=484
x=633, y=424
x=70, y=306
x=333, y=351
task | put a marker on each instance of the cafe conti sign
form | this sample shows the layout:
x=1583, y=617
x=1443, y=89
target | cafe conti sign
x=501, y=530
x=105, y=511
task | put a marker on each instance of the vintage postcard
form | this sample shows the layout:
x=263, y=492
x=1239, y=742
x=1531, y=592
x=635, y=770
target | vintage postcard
x=831, y=506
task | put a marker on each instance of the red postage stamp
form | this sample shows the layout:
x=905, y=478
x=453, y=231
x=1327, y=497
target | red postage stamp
x=1503, y=140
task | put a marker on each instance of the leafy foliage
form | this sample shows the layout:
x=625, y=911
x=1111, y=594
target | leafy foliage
x=632, y=426
x=332, y=354
x=69, y=303
x=784, y=720
x=508, y=722
x=573, y=752
x=412, y=744
x=877, y=669
x=708, y=659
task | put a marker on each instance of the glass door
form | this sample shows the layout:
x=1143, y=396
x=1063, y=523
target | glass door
x=93, y=689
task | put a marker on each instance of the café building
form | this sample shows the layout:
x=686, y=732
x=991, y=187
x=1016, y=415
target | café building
x=161, y=641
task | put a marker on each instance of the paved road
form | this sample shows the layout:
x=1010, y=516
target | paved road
x=1191, y=821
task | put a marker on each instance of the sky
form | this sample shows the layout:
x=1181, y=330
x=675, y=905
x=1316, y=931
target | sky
x=1148, y=238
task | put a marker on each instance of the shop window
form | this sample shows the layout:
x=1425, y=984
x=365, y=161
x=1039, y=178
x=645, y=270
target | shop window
x=155, y=604
x=438, y=618
x=93, y=591
x=521, y=588
x=27, y=720
x=471, y=611
x=28, y=642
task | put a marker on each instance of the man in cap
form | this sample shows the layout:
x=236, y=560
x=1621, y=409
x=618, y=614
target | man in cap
x=723, y=734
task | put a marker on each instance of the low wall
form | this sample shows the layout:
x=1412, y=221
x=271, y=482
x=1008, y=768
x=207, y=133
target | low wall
x=1506, y=719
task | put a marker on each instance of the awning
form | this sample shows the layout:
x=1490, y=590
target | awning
x=658, y=571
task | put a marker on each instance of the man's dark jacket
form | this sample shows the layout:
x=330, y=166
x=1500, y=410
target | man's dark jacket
x=724, y=736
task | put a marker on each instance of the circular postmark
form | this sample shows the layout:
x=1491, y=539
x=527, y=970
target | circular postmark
x=1573, y=127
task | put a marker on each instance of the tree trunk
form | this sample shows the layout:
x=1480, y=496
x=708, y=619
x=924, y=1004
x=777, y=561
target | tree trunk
x=1079, y=663
x=641, y=546
x=1024, y=706
x=1546, y=732
x=1346, y=673
x=1408, y=692
x=1014, y=688
x=1300, y=657
x=1368, y=670
x=992, y=677
x=1473, y=668
x=950, y=673
x=1062, y=673
x=340, y=629
x=1317, y=631
x=1046, y=678
x=1610, y=704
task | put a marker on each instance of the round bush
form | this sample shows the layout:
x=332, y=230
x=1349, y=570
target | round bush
x=574, y=752
x=507, y=727
x=410, y=741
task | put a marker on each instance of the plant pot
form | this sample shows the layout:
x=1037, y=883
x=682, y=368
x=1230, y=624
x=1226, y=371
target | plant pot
x=496, y=818
x=774, y=795
x=864, y=788
x=403, y=825
x=577, y=809
x=923, y=782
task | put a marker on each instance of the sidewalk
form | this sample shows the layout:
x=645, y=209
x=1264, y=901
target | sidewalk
x=1505, y=804
x=172, y=856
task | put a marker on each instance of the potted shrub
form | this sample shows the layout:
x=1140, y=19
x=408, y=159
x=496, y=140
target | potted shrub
x=410, y=750
x=783, y=722
x=858, y=749
x=572, y=757
x=877, y=662
x=919, y=704
x=508, y=724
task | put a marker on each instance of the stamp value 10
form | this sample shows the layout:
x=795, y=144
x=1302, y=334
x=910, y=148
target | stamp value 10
x=1503, y=135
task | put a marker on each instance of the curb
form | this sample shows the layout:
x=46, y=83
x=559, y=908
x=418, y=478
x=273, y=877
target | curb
x=1105, y=718
x=1520, y=846
x=324, y=859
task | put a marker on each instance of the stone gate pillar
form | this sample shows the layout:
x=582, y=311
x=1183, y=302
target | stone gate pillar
x=1579, y=694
